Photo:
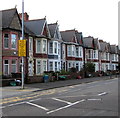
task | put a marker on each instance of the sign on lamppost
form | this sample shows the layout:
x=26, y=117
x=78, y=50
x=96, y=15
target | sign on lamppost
x=22, y=48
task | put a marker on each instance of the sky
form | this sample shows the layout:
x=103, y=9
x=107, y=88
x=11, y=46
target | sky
x=97, y=18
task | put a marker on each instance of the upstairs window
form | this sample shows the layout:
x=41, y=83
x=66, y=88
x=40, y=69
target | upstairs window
x=69, y=50
x=6, y=41
x=30, y=44
x=44, y=46
x=77, y=51
x=51, y=47
x=38, y=46
x=55, y=48
x=13, y=41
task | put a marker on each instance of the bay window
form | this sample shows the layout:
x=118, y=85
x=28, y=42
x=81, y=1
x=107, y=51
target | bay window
x=51, y=66
x=77, y=51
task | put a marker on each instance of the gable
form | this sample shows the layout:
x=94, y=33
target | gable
x=45, y=31
x=15, y=23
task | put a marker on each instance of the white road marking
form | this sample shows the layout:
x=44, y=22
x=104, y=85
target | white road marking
x=13, y=104
x=94, y=99
x=65, y=106
x=104, y=93
x=62, y=100
x=34, y=100
x=38, y=106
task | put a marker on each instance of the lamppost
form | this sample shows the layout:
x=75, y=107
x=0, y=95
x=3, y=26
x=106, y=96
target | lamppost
x=22, y=39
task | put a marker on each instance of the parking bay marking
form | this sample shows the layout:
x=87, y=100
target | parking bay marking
x=66, y=106
x=37, y=106
x=104, y=93
x=62, y=100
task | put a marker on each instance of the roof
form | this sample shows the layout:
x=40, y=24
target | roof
x=104, y=46
x=114, y=49
x=88, y=42
x=52, y=29
x=7, y=16
x=68, y=36
x=79, y=37
x=36, y=26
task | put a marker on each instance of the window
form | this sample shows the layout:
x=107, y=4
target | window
x=6, y=41
x=38, y=67
x=59, y=49
x=77, y=51
x=94, y=54
x=55, y=48
x=51, y=47
x=77, y=66
x=55, y=66
x=80, y=51
x=44, y=65
x=38, y=45
x=69, y=50
x=30, y=44
x=44, y=46
x=6, y=67
x=51, y=66
x=13, y=41
x=13, y=66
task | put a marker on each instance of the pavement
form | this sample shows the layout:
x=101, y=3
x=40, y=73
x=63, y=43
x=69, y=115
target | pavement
x=11, y=91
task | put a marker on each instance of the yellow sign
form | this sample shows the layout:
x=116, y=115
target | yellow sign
x=22, y=48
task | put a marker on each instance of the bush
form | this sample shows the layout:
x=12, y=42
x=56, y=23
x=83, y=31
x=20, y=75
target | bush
x=63, y=72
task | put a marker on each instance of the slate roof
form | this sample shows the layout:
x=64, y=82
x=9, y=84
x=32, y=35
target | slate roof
x=68, y=36
x=79, y=37
x=104, y=46
x=114, y=49
x=36, y=26
x=52, y=29
x=88, y=42
x=7, y=16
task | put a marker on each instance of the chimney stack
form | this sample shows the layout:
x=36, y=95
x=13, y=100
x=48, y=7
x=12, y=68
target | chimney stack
x=26, y=16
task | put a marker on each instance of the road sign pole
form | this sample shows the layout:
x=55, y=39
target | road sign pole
x=22, y=39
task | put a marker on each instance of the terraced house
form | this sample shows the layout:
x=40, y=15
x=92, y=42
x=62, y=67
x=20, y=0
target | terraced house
x=72, y=50
x=92, y=48
x=54, y=48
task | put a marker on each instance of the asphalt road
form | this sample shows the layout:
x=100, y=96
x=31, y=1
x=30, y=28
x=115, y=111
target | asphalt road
x=98, y=98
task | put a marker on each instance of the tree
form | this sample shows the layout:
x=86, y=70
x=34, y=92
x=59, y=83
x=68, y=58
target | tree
x=89, y=67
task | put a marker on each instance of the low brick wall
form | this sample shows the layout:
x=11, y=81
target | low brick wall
x=34, y=79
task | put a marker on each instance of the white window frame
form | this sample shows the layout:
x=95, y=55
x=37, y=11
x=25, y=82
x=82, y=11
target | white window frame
x=51, y=69
x=7, y=39
x=44, y=46
x=37, y=67
x=38, y=51
x=15, y=41
x=55, y=47
x=44, y=65
x=14, y=65
x=51, y=48
x=6, y=65
x=30, y=44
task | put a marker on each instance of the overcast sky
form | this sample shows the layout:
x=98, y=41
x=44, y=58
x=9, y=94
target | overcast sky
x=97, y=18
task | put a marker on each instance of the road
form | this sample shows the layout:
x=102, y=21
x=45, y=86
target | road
x=98, y=98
